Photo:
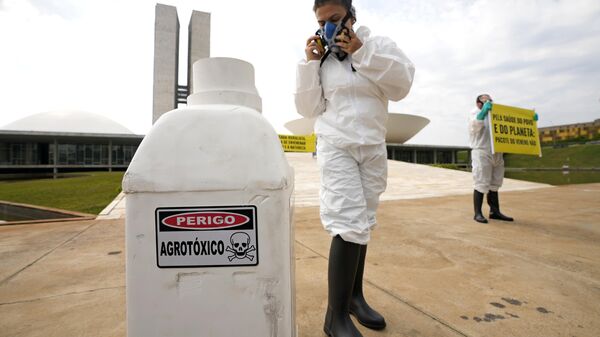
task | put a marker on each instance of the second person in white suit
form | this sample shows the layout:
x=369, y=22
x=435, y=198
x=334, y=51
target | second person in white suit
x=488, y=167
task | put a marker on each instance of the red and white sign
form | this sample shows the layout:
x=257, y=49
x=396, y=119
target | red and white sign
x=205, y=220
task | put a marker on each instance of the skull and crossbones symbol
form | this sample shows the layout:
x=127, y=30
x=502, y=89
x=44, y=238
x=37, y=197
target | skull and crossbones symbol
x=240, y=242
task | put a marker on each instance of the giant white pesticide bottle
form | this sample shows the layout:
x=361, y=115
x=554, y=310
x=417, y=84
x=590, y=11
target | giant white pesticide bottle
x=209, y=216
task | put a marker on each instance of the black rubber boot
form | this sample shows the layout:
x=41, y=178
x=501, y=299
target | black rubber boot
x=358, y=305
x=494, y=202
x=477, y=202
x=343, y=260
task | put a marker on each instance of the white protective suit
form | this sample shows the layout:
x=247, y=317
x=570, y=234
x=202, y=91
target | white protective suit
x=488, y=168
x=351, y=110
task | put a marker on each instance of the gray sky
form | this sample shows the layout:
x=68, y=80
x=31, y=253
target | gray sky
x=97, y=56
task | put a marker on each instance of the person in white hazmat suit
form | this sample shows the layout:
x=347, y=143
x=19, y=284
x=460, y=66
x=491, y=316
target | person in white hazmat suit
x=488, y=168
x=346, y=82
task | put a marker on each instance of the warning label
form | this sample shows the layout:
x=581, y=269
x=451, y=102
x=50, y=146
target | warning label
x=295, y=143
x=514, y=130
x=220, y=236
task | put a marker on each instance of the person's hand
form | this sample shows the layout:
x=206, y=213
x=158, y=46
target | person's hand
x=313, y=50
x=349, y=43
x=487, y=106
x=484, y=110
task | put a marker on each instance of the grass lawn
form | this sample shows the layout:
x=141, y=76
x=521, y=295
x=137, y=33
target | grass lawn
x=462, y=156
x=87, y=192
x=556, y=177
x=575, y=156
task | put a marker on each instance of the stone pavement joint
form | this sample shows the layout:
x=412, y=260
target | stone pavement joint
x=62, y=295
x=44, y=255
x=397, y=297
x=415, y=307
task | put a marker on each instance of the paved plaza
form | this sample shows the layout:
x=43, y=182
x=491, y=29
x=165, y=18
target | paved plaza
x=431, y=270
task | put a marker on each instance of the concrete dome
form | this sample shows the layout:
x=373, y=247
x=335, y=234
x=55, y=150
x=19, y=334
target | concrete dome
x=67, y=122
x=400, y=127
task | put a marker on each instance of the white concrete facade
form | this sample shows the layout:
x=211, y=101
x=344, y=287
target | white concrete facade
x=68, y=122
x=198, y=42
x=166, y=60
x=168, y=92
x=400, y=127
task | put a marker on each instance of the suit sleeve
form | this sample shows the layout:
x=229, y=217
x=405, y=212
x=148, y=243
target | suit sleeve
x=381, y=61
x=309, y=93
x=475, y=125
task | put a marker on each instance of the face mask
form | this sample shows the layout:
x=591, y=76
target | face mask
x=330, y=32
x=484, y=99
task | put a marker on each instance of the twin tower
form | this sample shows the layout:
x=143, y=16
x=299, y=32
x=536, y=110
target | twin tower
x=167, y=92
